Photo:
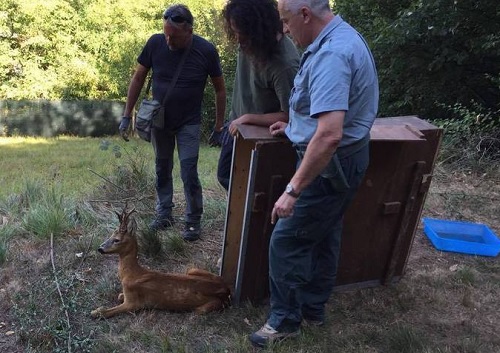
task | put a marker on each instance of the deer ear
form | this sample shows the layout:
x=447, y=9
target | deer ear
x=130, y=212
x=131, y=227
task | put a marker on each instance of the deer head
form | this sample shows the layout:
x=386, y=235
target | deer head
x=123, y=239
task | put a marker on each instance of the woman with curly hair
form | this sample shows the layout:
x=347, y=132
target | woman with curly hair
x=266, y=66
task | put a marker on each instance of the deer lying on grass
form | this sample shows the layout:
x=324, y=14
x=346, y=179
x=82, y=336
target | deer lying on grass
x=197, y=290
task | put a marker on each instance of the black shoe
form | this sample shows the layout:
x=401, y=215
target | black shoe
x=192, y=232
x=313, y=322
x=310, y=319
x=161, y=223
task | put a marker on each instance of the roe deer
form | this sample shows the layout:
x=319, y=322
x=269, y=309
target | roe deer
x=197, y=290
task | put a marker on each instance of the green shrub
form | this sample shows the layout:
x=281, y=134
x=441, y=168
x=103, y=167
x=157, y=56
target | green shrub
x=472, y=140
x=150, y=242
x=7, y=231
x=48, y=213
x=431, y=54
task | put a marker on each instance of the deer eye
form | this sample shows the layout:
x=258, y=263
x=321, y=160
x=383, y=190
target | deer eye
x=116, y=240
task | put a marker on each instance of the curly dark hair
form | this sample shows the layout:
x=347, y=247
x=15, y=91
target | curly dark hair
x=259, y=22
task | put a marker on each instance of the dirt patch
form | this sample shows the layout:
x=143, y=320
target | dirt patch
x=8, y=327
x=445, y=302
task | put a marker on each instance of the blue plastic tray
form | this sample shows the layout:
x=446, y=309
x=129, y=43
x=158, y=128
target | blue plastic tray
x=462, y=237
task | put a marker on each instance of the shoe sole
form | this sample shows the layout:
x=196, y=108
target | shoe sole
x=312, y=323
x=272, y=341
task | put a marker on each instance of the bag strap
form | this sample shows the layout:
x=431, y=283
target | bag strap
x=148, y=86
x=174, y=79
x=176, y=76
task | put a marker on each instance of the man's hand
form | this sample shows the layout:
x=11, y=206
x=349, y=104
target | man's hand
x=214, y=139
x=278, y=128
x=124, y=127
x=283, y=208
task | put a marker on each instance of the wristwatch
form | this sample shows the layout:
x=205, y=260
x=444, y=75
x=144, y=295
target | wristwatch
x=290, y=191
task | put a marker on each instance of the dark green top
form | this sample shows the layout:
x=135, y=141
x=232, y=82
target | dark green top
x=264, y=89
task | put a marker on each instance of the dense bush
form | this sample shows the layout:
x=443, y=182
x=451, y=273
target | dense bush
x=432, y=55
x=54, y=117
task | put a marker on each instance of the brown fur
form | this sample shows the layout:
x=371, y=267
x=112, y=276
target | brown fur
x=197, y=290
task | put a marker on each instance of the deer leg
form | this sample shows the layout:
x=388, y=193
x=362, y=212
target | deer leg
x=129, y=303
x=213, y=305
x=196, y=272
x=106, y=313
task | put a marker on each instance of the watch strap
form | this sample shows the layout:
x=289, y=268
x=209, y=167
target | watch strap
x=290, y=191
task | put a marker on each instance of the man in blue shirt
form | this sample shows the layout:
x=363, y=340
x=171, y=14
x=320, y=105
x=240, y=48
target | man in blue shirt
x=333, y=105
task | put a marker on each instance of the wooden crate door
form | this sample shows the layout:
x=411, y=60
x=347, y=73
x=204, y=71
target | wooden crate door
x=272, y=165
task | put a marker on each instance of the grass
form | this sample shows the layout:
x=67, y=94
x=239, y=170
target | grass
x=445, y=303
x=64, y=160
x=7, y=232
x=70, y=162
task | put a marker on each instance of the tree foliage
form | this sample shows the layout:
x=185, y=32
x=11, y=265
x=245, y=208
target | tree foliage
x=432, y=54
x=83, y=49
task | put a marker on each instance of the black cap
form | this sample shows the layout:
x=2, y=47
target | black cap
x=178, y=14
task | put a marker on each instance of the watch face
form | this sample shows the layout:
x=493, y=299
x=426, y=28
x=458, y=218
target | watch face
x=289, y=189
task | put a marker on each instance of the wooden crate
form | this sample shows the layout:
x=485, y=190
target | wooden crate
x=379, y=225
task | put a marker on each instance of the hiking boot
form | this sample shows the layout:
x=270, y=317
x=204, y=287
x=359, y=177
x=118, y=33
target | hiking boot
x=192, y=232
x=312, y=322
x=268, y=335
x=161, y=223
x=312, y=318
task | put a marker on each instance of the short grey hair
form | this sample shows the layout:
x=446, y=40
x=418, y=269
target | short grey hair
x=179, y=10
x=318, y=7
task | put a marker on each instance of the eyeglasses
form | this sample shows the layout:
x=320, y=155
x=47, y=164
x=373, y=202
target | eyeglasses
x=175, y=18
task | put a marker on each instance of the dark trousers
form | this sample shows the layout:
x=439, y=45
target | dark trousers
x=188, y=145
x=225, y=159
x=304, y=248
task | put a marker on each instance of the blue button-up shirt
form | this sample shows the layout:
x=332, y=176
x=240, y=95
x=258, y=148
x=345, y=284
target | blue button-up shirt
x=337, y=72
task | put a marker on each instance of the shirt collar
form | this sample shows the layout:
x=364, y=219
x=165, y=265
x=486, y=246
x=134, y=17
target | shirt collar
x=316, y=44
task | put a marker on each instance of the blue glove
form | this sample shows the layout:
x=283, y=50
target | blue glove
x=124, y=125
x=214, y=139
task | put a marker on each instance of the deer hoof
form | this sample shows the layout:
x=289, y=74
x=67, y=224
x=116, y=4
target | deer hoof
x=97, y=313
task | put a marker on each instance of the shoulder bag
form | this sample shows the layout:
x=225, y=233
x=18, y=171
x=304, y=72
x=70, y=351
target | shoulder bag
x=151, y=113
